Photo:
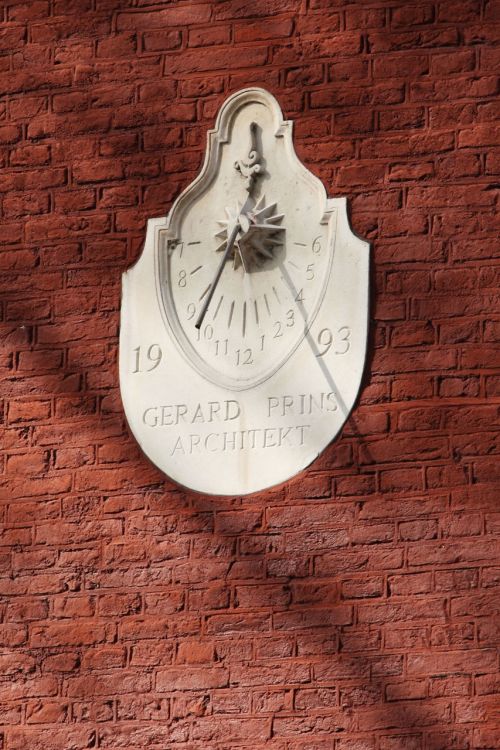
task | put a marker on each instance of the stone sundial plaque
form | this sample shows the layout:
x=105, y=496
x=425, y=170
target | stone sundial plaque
x=244, y=321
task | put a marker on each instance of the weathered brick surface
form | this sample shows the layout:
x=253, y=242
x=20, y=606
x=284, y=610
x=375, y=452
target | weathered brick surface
x=356, y=607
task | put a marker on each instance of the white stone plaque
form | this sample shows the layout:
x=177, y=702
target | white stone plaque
x=244, y=322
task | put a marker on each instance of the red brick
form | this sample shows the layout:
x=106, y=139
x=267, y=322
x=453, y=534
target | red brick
x=194, y=652
x=458, y=661
x=361, y=18
x=119, y=45
x=353, y=69
x=272, y=29
x=227, y=9
x=406, y=171
x=67, y=634
x=191, y=678
x=458, y=62
x=412, y=15
x=47, y=712
x=381, y=41
x=409, y=585
x=154, y=41
x=458, y=12
x=194, y=14
x=210, y=59
x=33, y=155
x=360, y=596
x=25, y=205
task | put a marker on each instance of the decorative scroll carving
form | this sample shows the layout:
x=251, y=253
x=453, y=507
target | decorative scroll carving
x=250, y=168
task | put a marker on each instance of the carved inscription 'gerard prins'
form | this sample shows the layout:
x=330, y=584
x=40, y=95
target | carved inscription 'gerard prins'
x=244, y=322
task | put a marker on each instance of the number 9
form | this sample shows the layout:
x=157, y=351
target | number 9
x=325, y=339
x=154, y=356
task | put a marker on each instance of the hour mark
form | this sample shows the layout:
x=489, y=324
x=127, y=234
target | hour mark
x=291, y=263
x=197, y=242
x=230, y=314
x=218, y=306
x=195, y=270
x=300, y=244
x=244, y=318
x=256, y=312
x=205, y=292
x=267, y=304
x=276, y=295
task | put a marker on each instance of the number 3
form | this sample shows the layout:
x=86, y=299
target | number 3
x=345, y=338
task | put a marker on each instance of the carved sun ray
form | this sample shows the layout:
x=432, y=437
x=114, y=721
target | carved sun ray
x=259, y=242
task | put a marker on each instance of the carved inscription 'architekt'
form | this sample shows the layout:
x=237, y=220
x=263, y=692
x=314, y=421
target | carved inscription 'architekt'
x=244, y=322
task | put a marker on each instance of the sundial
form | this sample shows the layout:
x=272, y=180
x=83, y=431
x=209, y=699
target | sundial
x=244, y=321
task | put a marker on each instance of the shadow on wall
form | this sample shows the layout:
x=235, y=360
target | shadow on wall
x=309, y=606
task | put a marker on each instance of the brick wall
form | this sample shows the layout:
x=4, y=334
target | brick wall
x=354, y=607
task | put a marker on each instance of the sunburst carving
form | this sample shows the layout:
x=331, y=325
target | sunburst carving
x=260, y=235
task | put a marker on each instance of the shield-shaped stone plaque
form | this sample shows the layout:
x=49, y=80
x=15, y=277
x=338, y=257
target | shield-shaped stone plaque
x=244, y=322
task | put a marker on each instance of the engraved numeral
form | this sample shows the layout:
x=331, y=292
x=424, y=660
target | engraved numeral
x=181, y=281
x=316, y=245
x=153, y=358
x=300, y=297
x=244, y=357
x=290, y=318
x=207, y=334
x=277, y=330
x=325, y=340
x=345, y=336
x=310, y=272
x=221, y=346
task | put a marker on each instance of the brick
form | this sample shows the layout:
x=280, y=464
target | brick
x=60, y=738
x=119, y=45
x=50, y=712
x=352, y=69
x=412, y=15
x=453, y=661
x=480, y=135
x=361, y=589
x=448, y=553
x=458, y=12
x=25, y=205
x=429, y=714
x=191, y=678
x=361, y=18
x=194, y=14
x=227, y=9
x=378, y=41
x=154, y=41
x=66, y=634
x=32, y=180
x=401, y=119
x=33, y=155
x=458, y=62
x=210, y=59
